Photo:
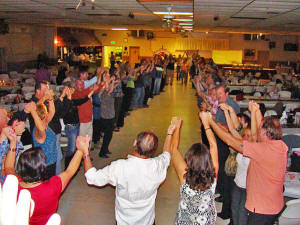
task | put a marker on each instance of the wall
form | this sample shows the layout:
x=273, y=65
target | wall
x=236, y=42
x=24, y=42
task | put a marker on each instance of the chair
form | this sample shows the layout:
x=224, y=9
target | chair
x=4, y=77
x=285, y=94
x=257, y=94
x=270, y=113
x=291, y=215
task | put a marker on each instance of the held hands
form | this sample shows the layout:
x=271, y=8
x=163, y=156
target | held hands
x=253, y=106
x=30, y=107
x=82, y=144
x=10, y=134
x=205, y=117
x=18, y=127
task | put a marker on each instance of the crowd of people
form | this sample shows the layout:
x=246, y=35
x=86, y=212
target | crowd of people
x=241, y=157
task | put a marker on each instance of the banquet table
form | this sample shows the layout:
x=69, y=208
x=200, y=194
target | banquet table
x=292, y=185
x=269, y=103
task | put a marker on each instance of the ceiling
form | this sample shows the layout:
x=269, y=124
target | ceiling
x=274, y=16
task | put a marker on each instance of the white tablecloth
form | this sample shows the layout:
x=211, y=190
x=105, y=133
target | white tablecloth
x=292, y=185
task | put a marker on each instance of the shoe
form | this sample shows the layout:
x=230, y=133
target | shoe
x=101, y=155
x=146, y=106
x=219, y=199
x=222, y=216
x=117, y=129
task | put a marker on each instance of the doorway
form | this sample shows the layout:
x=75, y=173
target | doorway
x=117, y=50
x=134, y=55
x=263, y=58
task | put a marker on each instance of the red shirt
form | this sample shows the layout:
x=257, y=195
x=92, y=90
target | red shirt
x=85, y=111
x=265, y=177
x=45, y=197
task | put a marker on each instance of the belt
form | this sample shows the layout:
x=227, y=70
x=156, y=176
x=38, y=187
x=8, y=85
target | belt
x=72, y=124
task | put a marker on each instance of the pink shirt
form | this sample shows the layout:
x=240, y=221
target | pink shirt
x=266, y=174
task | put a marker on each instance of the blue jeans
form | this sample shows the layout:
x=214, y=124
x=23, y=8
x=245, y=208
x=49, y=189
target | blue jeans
x=72, y=131
x=238, y=210
x=139, y=97
x=156, y=89
x=59, y=155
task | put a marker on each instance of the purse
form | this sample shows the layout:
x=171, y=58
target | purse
x=231, y=163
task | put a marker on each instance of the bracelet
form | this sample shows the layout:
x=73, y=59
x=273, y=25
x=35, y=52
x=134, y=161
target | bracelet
x=207, y=128
x=86, y=156
x=12, y=149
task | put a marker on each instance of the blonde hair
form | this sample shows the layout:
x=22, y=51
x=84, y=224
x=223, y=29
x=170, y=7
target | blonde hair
x=41, y=110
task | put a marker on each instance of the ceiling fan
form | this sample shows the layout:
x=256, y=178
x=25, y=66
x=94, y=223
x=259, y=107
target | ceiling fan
x=168, y=19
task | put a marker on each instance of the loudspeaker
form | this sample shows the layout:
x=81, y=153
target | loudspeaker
x=134, y=33
x=272, y=44
x=150, y=35
x=4, y=28
x=247, y=37
x=290, y=47
x=141, y=33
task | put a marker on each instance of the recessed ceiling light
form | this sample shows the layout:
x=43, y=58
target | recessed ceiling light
x=119, y=28
x=173, y=13
x=184, y=20
x=185, y=24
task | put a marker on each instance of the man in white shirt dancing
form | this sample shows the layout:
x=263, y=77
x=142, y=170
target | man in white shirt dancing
x=136, y=178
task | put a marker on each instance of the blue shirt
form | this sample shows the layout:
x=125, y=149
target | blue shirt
x=88, y=83
x=4, y=146
x=220, y=116
x=96, y=107
x=48, y=147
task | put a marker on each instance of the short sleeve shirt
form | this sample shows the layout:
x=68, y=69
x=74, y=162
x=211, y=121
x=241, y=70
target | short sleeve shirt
x=266, y=174
x=220, y=116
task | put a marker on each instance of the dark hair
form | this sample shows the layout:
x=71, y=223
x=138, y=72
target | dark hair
x=38, y=85
x=246, y=118
x=147, y=143
x=31, y=166
x=262, y=108
x=272, y=127
x=226, y=89
x=200, y=173
x=83, y=69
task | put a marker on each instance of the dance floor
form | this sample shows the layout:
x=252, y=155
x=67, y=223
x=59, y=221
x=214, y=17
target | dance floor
x=86, y=205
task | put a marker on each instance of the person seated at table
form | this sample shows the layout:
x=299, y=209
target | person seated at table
x=197, y=176
x=266, y=171
x=31, y=169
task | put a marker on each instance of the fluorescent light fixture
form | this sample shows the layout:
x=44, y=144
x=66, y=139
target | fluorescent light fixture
x=188, y=27
x=173, y=13
x=184, y=20
x=119, y=28
x=185, y=24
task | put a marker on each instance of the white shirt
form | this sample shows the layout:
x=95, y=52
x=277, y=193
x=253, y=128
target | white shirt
x=136, y=182
x=241, y=171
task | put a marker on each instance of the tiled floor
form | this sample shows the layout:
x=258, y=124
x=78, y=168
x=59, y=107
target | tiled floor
x=84, y=205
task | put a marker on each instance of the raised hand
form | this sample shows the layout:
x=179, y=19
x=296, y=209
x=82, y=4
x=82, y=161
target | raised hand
x=82, y=144
x=205, y=116
x=18, y=127
x=224, y=107
x=29, y=107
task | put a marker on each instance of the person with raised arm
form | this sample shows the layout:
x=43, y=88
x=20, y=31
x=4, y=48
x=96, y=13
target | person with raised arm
x=31, y=171
x=266, y=171
x=136, y=178
x=197, y=173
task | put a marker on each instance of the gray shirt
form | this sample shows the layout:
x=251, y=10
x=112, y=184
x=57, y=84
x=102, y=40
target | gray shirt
x=220, y=116
x=107, y=106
